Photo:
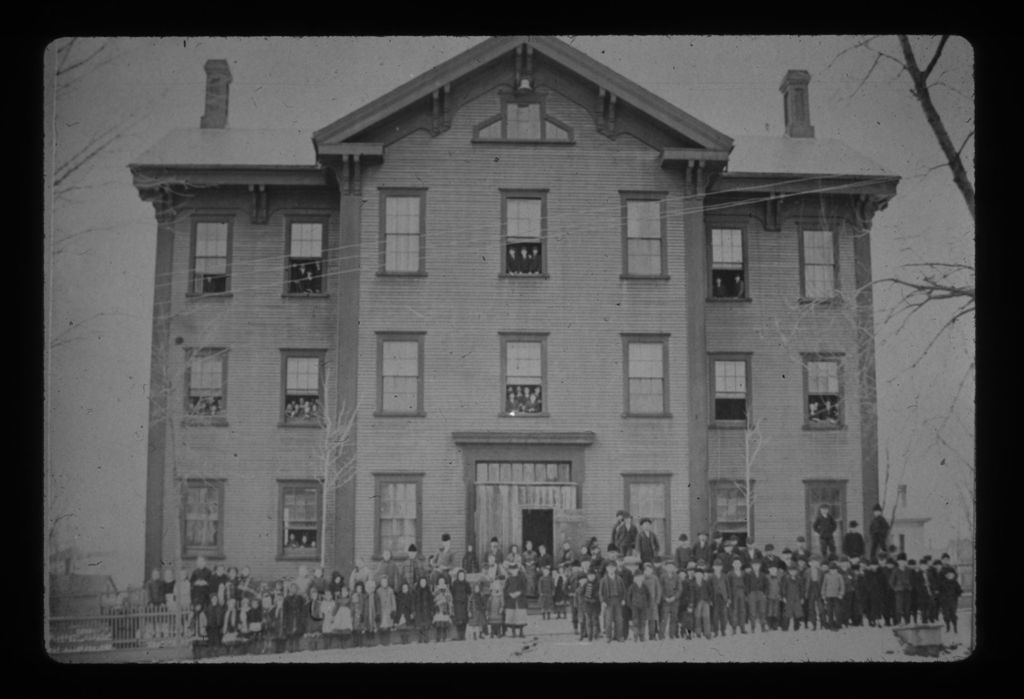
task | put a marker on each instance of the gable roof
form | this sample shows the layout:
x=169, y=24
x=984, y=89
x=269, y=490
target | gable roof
x=571, y=58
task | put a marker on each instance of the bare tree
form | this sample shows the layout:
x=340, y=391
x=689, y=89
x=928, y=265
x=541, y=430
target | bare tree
x=337, y=464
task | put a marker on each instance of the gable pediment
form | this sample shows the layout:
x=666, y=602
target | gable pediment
x=616, y=104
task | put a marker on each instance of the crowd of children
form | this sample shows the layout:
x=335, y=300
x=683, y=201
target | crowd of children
x=707, y=589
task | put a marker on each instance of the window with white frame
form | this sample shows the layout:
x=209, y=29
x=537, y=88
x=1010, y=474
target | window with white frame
x=524, y=234
x=645, y=363
x=730, y=509
x=823, y=392
x=403, y=228
x=728, y=273
x=648, y=496
x=644, y=236
x=201, y=515
x=730, y=390
x=524, y=376
x=300, y=520
x=205, y=373
x=302, y=399
x=210, y=257
x=400, y=374
x=398, y=519
x=305, y=257
x=819, y=272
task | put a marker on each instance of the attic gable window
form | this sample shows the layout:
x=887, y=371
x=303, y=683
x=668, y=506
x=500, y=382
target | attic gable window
x=523, y=118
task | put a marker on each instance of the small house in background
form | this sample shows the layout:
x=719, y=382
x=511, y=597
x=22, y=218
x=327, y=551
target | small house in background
x=907, y=531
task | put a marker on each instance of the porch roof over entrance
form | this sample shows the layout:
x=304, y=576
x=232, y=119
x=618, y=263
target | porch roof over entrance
x=523, y=437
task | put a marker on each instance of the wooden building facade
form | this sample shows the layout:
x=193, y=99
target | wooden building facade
x=542, y=293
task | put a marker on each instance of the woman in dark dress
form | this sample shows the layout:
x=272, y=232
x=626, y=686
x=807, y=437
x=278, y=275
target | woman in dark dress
x=461, y=592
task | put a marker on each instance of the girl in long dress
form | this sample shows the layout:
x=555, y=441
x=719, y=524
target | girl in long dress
x=515, y=600
x=385, y=610
x=442, y=610
x=529, y=563
x=461, y=594
x=360, y=609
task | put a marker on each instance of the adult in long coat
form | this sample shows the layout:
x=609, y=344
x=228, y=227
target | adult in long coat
x=701, y=552
x=413, y=567
x=423, y=609
x=878, y=531
x=825, y=526
x=385, y=609
x=792, y=599
x=388, y=568
x=461, y=594
x=647, y=543
x=515, y=599
x=529, y=562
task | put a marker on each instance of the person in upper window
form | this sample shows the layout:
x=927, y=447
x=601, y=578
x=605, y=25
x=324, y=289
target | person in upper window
x=533, y=404
x=719, y=291
x=737, y=286
x=535, y=262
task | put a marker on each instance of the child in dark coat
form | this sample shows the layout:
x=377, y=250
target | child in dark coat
x=561, y=595
x=720, y=603
x=462, y=592
x=825, y=526
x=638, y=600
x=757, y=594
x=949, y=595
x=214, y=620
x=793, y=595
x=478, y=610
x=737, y=590
x=423, y=609
x=703, y=596
x=773, y=594
x=546, y=592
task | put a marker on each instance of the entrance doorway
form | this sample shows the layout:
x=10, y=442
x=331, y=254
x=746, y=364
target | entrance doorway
x=539, y=527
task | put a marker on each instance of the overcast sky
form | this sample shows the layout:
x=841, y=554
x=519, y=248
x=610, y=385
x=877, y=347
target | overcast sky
x=101, y=237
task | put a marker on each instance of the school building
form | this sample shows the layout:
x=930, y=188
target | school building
x=523, y=292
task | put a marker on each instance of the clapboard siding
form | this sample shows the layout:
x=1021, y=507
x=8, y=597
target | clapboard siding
x=462, y=304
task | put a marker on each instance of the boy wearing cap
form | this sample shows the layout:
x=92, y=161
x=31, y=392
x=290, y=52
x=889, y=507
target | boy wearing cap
x=627, y=546
x=703, y=596
x=813, y=578
x=949, y=594
x=671, y=586
x=773, y=595
x=687, y=599
x=934, y=574
x=921, y=593
x=720, y=598
x=793, y=596
x=888, y=596
x=639, y=602
x=833, y=587
x=757, y=594
x=647, y=542
x=590, y=601
x=901, y=584
x=654, y=596
x=853, y=543
x=737, y=588
x=825, y=527
x=849, y=590
x=611, y=593
x=683, y=553
x=859, y=595
x=878, y=531
x=619, y=530
x=770, y=558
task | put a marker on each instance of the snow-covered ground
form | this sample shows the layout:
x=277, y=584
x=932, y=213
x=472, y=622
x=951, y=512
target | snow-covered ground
x=553, y=641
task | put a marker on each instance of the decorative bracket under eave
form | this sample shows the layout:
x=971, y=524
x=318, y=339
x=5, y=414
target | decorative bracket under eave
x=772, y=212
x=441, y=114
x=700, y=166
x=865, y=206
x=605, y=113
x=258, y=213
x=346, y=161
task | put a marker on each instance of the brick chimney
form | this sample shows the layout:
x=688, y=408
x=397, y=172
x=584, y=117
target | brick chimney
x=218, y=78
x=796, y=104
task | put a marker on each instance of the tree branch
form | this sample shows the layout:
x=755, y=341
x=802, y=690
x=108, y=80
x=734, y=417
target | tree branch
x=920, y=91
x=935, y=58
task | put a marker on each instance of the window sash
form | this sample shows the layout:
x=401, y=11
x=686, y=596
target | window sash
x=523, y=121
x=307, y=241
x=523, y=219
x=647, y=499
x=303, y=376
x=202, y=516
x=523, y=363
x=402, y=230
x=730, y=379
x=398, y=515
x=823, y=377
x=730, y=505
x=727, y=248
